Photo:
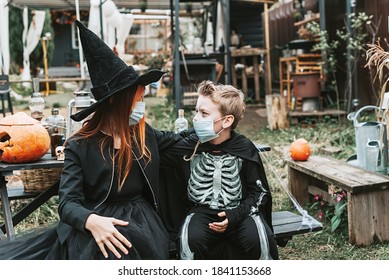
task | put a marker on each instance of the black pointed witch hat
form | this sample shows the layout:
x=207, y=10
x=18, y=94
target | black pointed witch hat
x=108, y=73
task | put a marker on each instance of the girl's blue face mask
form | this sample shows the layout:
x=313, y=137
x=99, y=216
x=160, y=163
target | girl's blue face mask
x=204, y=129
x=137, y=113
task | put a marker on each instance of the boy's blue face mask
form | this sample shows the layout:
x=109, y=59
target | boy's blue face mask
x=204, y=129
x=137, y=113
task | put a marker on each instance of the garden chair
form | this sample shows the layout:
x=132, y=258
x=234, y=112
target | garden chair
x=5, y=95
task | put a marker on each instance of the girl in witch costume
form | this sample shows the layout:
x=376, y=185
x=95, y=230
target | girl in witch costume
x=108, y=191
x=224, y=189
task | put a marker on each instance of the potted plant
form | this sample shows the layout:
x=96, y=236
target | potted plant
x=189, y=7
x=143, y=5
x=378, y=57
x=297, y=16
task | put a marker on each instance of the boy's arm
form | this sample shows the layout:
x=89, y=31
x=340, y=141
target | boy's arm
x=183, y=147
x=257, y=194
x=166, y=139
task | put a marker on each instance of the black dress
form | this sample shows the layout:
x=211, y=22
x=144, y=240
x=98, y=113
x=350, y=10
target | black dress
x=145, y=230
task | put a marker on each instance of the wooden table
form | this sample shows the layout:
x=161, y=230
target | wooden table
x=244, y=55
x=367, y=194
x=7, y=194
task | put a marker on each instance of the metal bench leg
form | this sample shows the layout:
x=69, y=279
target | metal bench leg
x=35, y=204
x=8, y=227
x=2, y=104
x=10, y=104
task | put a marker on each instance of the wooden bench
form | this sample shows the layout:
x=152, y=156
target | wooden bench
x=367, y=194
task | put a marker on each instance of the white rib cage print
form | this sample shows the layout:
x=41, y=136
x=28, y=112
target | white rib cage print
x=215, y=181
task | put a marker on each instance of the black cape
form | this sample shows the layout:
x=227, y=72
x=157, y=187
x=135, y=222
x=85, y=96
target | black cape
x=174, y=175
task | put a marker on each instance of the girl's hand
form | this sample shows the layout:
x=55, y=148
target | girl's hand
x=106, y=235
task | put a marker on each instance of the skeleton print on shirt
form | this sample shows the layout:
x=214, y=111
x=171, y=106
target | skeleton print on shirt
x=215, y=181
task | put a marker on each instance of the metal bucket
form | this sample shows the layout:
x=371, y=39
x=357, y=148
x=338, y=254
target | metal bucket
x=367, y=133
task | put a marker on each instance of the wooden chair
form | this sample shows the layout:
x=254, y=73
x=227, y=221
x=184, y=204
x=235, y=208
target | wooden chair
x=5, y=95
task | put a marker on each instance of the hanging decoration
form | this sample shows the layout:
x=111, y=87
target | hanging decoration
x=4, y=38
x=31, y=37
x=116, y=26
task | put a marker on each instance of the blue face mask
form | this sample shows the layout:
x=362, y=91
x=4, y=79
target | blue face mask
x=137, y=113
x=204, y=130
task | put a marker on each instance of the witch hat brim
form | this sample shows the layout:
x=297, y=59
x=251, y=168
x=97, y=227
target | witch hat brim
x=109, y=74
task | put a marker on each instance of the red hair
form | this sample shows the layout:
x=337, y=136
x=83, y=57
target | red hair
x=112, y=118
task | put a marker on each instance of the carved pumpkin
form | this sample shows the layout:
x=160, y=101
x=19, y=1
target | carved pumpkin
x=22, y=139
x=300, y=150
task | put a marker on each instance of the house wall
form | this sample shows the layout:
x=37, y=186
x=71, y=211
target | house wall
x=64, y=54
x=282, y=31
x=246, y=19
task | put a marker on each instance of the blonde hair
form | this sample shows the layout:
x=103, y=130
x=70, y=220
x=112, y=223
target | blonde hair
x=229, y=99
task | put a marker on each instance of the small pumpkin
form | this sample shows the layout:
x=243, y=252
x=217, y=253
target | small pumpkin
x=22, y=139
x=300, y=150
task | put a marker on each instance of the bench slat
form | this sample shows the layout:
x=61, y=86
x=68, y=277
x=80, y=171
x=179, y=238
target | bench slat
x=286, y=223
x=346, y=176
x=19, y=193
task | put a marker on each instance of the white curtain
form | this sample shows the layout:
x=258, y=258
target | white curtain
x=94, y=17
x=4, y=38
x=113, y=21
x=31, y=37
x=209, y=36
x=110, y=21
x=123, y=31
x=220, y=23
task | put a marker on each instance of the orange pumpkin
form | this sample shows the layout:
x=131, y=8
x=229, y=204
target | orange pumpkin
x=300, y=150
x=22, y=139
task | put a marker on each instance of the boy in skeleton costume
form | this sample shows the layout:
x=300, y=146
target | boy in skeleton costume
x=227, y=198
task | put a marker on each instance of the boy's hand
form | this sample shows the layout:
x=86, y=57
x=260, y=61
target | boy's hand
x=220, y=226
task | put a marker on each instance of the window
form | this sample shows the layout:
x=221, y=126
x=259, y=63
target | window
x=149, y=34
x=74, y=34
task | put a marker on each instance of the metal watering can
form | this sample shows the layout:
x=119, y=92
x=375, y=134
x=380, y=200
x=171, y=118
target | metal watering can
x=371, y=142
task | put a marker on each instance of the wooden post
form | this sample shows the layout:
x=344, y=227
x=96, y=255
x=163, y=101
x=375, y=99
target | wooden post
x=267, y=41
x=387, y=124
x=372, y=226
x=277, y=112
x=44, y=46
x=298, y=185
x=256, y=78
